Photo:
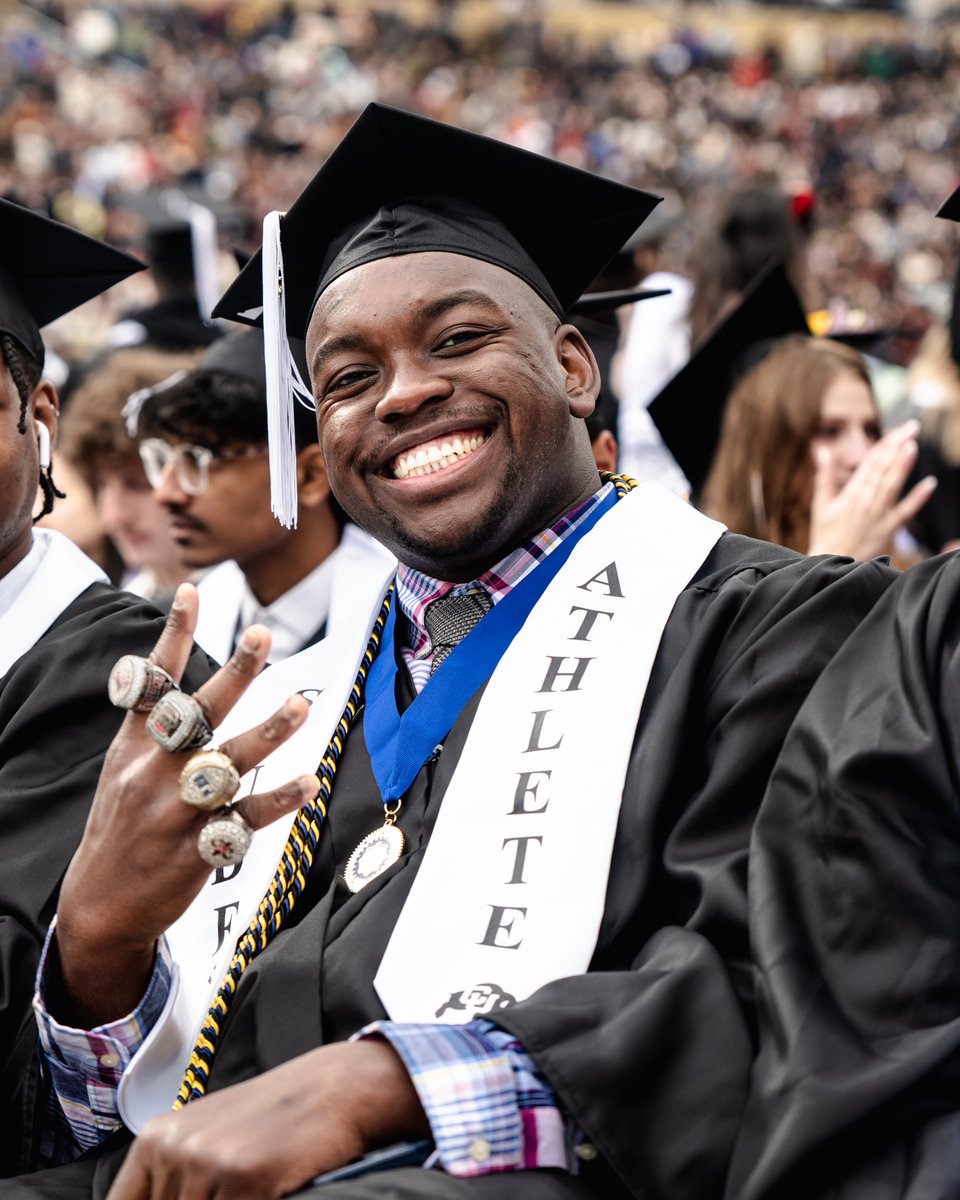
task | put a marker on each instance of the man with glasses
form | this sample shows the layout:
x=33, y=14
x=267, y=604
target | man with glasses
x=203, y=442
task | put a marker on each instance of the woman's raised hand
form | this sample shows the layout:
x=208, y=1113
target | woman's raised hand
x=859, y=517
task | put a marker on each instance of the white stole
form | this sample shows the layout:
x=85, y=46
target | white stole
x=61, y=575
x=203, y=940
x=510, y=893
x=221, y=592
x=655, y=543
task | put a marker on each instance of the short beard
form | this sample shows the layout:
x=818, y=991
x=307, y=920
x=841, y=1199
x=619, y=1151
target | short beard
x=473, y=542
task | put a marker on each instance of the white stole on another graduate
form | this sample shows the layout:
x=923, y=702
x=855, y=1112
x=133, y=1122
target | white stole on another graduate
x=203, y=940
x=511, y=890
x=222, y=590
x=62, y=573
x=572, y=662
x=221, y=593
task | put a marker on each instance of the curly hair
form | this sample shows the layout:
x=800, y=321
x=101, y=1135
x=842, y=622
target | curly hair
x=92, y=432
x=217, y=409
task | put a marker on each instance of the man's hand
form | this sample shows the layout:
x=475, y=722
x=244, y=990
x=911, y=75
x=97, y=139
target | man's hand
x=860, y=517
x=137, y=868
x=268, y=1137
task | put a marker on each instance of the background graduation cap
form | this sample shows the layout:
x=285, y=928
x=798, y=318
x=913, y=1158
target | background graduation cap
x=563, y=222
x=47, y=269
x=590, y=315
x=688, y=411
x=238, y=354
x=950, y=211
x=603, y=302
x=178, y=229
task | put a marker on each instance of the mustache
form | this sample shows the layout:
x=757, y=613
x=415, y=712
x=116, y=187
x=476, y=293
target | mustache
x=180, y=516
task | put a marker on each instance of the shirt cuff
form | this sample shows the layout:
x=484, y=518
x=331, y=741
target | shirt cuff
x=489, y=1108
x=84, y=1066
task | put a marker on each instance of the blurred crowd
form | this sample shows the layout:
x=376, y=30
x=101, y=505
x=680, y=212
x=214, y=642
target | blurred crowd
x=242, y=104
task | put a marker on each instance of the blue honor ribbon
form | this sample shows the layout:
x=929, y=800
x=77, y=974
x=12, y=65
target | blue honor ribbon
x=399, y=744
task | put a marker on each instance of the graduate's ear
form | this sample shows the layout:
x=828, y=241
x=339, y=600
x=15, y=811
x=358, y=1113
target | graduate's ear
x=605, y=451
x=313, y=488
x=580, y=370
x=44, y=408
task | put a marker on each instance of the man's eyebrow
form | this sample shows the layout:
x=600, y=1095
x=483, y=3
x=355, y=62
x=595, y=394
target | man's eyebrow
x=443, y=304
x=326, y=350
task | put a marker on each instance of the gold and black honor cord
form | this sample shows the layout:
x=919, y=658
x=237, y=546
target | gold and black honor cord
x=287, y=884
x=291, y=874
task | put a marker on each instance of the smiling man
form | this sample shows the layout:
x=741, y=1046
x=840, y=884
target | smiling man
x=523, y=882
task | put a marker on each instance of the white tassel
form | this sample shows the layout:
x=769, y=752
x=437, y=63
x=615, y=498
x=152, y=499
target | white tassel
x=203, y=243
x=203, y=247
x=284, y=383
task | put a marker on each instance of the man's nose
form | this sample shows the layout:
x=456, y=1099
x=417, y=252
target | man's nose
x=169, y=491
x=412, y=384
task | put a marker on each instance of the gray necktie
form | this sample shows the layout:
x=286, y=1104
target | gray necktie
x=450, y=619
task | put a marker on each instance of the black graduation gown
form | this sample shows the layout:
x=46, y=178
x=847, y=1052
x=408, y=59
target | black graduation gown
x=55, y=725
x=650, y=1052
x=856, y=919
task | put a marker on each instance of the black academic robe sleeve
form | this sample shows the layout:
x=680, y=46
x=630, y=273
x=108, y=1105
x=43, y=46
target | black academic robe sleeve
x=55, y=725
x=650, y=1052
x=855, y=911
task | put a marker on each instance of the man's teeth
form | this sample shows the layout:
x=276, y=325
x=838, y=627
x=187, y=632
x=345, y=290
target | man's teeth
x=433, y=457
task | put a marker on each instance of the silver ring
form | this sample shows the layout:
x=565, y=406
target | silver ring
x=177, y=722
x=209, y=780
x=224, y=839
x=136, y=683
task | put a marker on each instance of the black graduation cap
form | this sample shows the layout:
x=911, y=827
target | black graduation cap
x=688, y=411
x=179, y=229
x=601, y=302
x=950, y=208
x=240, y=353
x=569, y=222
x=399, y=184
x=47, y=269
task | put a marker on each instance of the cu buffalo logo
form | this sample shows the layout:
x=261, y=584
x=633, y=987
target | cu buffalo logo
x=482, y=998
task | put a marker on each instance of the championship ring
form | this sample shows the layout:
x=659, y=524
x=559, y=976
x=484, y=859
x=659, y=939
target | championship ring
x=209, y=780
x=137, y=684
x=224, y=839
x=177, y=722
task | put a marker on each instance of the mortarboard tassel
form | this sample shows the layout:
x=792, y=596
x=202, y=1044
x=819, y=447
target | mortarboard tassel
x=285, y=387
x=203, y=243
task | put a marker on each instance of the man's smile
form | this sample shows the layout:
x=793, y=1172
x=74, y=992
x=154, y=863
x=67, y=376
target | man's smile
x=436, y=454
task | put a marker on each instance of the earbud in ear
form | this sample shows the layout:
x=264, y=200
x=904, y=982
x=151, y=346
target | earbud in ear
x=43, y=445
